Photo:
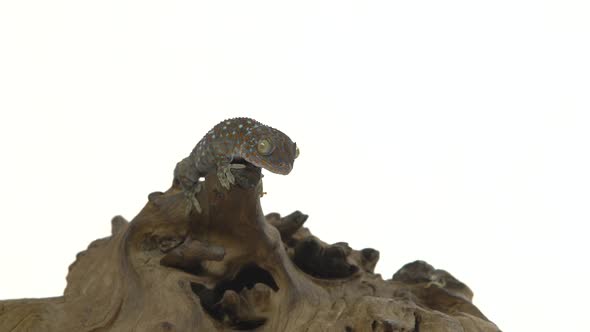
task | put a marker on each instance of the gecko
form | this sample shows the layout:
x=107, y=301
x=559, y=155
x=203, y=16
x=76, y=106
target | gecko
x=232, y=140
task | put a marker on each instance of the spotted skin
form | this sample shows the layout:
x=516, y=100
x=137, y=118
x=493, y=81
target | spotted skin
x=232, y=139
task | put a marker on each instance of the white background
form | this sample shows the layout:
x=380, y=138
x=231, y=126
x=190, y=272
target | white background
x=455, y=132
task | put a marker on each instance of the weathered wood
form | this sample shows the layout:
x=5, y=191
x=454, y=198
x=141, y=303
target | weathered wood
x=232, y=268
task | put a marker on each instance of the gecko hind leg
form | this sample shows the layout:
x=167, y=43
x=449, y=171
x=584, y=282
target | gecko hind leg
x=225, y=176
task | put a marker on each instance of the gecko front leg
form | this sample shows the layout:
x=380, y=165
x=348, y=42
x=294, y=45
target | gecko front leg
x=225, y=176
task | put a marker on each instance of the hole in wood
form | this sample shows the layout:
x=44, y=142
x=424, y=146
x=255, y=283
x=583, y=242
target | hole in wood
x=229, y=303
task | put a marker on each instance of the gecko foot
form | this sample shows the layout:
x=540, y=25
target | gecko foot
x=193, y=203
x=225, y=176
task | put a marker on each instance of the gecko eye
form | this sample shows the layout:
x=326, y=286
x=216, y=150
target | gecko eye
x=265, y=147
x=296, y=152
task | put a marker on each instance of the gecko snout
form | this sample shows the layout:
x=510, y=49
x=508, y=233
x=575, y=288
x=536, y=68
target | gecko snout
x=284, y=168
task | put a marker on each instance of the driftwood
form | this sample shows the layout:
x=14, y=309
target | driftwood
x=233, y=268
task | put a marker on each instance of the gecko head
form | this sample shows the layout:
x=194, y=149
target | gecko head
x=271, y=149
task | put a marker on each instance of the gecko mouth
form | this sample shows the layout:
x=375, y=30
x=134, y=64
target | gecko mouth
x=281, y=169
x=241, y=161
x=284, y=170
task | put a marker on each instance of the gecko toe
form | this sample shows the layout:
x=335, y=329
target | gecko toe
x=230, y=177
x=225, y=176
x=196, y=205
